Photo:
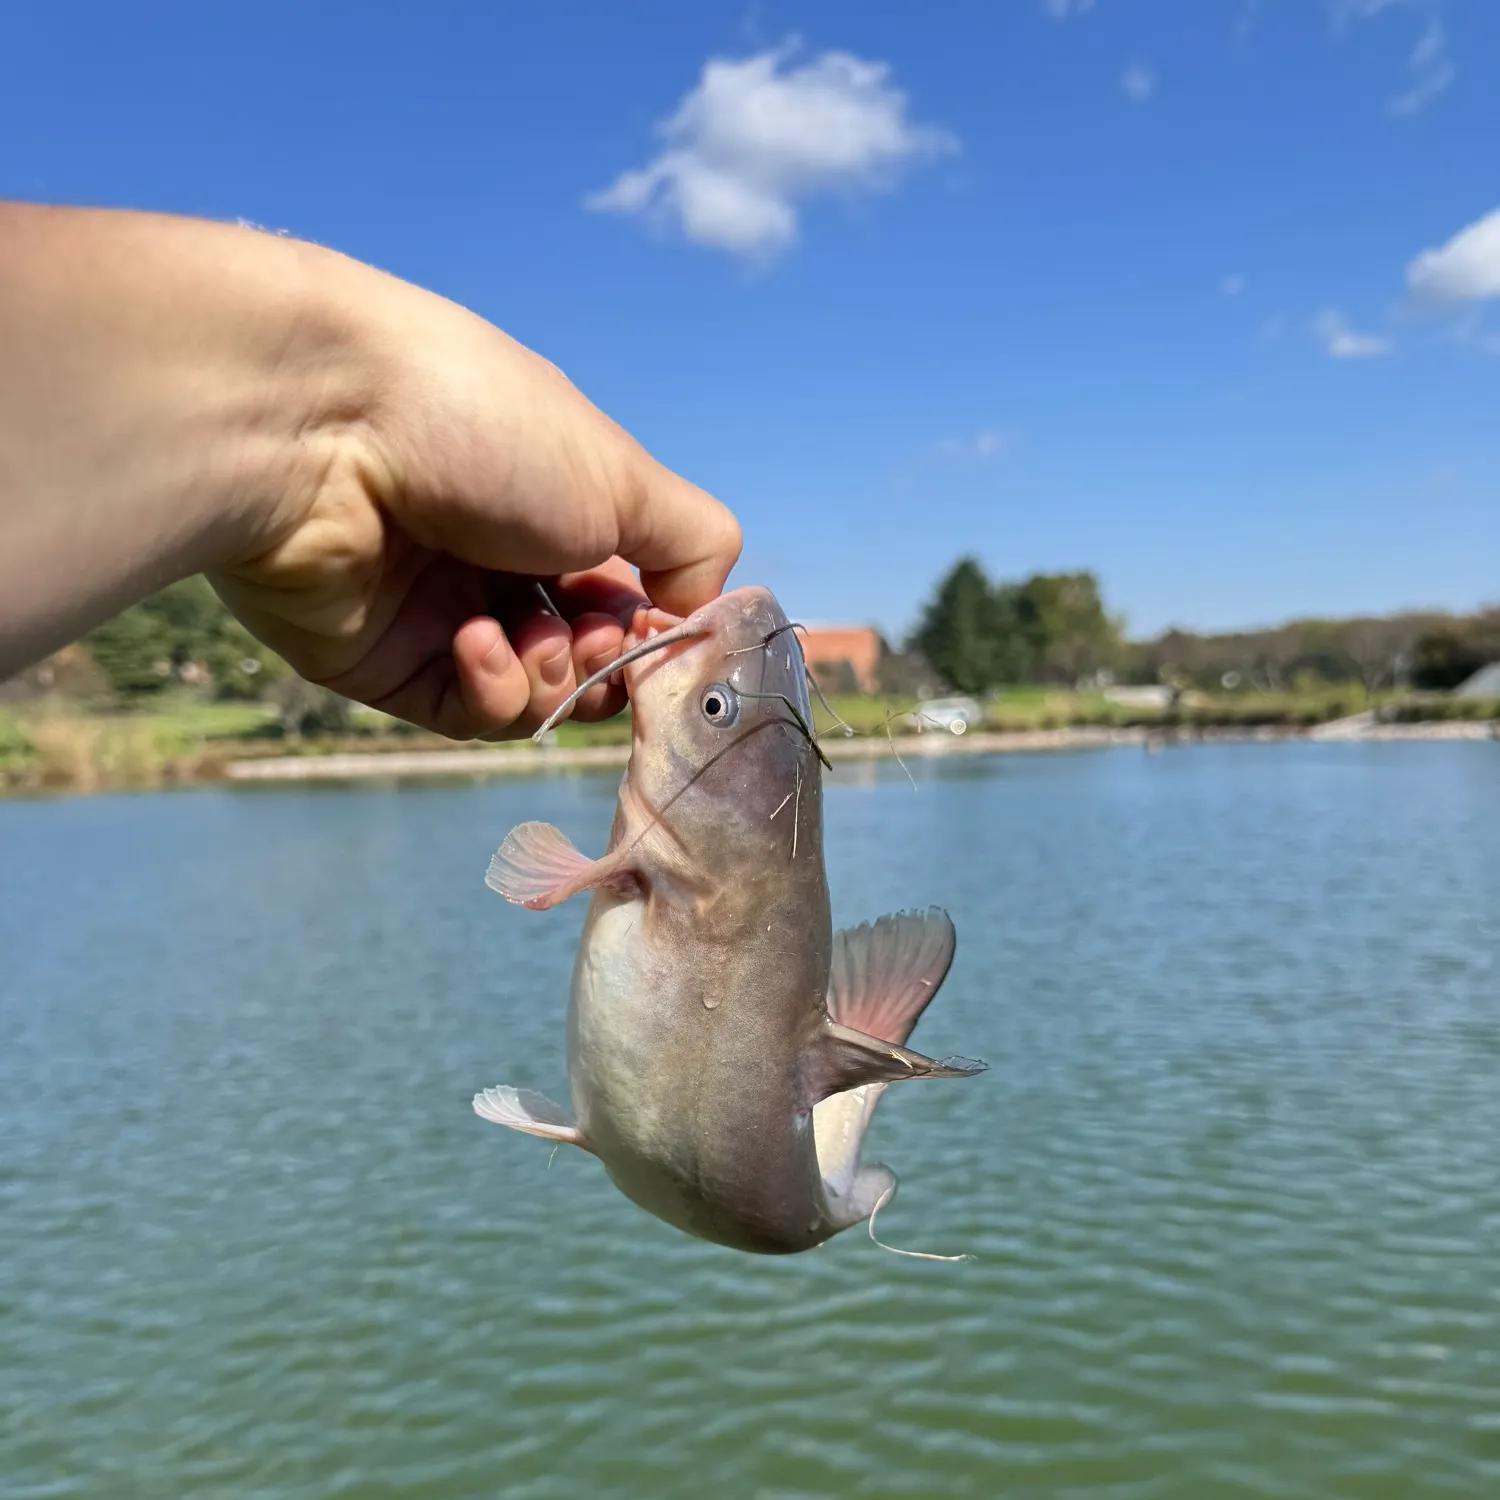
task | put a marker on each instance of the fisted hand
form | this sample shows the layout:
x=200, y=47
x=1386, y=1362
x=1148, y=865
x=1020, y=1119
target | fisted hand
x=374, y=479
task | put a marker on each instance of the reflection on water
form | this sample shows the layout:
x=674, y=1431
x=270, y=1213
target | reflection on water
x=1233, y=1178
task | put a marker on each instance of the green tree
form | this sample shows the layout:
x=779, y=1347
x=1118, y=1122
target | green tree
x=1016, y=646
x=957, y=634
x=134, y=651
x=171, y=636
x=1070, y=632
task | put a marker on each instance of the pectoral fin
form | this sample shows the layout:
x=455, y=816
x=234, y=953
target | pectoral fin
x=537, y=867
x=844, y=1059
x=885, y=973
x=534, y=1114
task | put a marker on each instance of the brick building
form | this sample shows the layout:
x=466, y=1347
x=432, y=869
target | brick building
x=844, y=660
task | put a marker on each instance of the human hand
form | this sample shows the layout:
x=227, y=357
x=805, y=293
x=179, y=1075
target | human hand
x=373, y=478
x=467, y=470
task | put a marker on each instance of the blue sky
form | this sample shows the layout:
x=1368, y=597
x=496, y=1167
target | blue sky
x=1133, y=285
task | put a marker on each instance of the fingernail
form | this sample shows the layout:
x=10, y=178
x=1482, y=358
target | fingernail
x=499, y=656
x=554, y=668
x=599, y=661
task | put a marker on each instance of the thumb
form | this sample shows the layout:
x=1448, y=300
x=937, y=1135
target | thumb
x=684, y=542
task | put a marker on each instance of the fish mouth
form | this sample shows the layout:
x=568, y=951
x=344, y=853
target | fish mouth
x=662, y=631
x=684, y=630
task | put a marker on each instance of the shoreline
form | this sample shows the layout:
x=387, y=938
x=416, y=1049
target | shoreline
x=533, y=760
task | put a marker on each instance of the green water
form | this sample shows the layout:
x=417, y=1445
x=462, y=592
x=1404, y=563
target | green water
x=1233, y=1180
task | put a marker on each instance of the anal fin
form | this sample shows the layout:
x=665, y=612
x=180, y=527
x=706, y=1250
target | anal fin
x=535, y=1114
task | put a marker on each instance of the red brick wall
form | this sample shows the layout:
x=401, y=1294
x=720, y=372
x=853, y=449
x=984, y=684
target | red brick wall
x=823, y=650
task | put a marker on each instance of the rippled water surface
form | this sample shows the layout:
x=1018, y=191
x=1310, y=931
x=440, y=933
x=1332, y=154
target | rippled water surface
x=1233, y=1180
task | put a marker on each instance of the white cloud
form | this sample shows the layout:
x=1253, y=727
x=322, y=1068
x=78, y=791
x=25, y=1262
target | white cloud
x=1340, y=341
x=1138, y=83
x=1233, y=286
x=1060, y=10
x=1466, y=269
x=756, y=137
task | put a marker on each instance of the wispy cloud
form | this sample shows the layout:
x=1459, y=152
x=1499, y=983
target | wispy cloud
x=1465, y=269
x=1430, y=67
x=1468, y=331
x=757, y=137
x=1061, y=10
x=966, y=450
x=1233, y=285
x=1431, y=71
x=1272, y=331
x=1138, y=83
x=976, y=447
x=1340, y=341
x=1244, y=23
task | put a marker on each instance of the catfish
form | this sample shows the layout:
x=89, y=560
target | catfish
x=726, y=1048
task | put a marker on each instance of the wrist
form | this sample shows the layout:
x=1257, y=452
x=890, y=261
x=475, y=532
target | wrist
x=173, y=393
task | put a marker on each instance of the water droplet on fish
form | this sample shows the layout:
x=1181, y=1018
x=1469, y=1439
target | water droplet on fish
x=710, y=1002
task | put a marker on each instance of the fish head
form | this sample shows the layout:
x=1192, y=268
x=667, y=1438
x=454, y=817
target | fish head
x=722, y=723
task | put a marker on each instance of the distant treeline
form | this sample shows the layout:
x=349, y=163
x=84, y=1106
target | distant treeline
x=182, y=637
x=975, y=634
x=978, y=634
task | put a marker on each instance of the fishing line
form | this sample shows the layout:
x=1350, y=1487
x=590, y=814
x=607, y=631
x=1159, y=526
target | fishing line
x=913, y=1254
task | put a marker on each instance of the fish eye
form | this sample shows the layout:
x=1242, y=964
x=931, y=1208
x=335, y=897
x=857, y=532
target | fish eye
x=720, y=704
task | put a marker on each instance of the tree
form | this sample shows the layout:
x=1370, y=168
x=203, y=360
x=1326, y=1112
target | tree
x=1443, y=658
x=1017, y=647
x=1380, y=649
x=182, y=634
x=958, y=630
x=1071, y=635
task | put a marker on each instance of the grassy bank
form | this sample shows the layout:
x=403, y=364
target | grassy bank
x=49, y=745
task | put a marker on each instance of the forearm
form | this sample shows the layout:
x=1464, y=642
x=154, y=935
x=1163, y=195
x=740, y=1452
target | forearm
x=371, y=475
x=166, y=388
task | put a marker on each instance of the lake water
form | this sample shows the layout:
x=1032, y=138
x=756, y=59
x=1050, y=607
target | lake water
x=1232, y=1180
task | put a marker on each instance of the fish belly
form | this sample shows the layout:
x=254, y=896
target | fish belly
x=687, y=1107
